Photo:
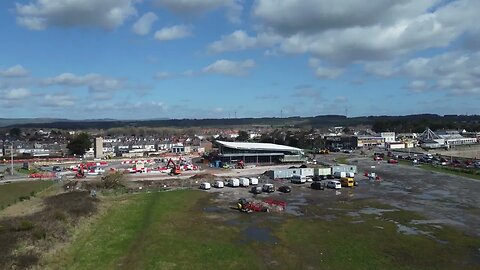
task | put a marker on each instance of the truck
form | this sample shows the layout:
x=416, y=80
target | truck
x=244, y=182
x=253, y=181
x=234, y=182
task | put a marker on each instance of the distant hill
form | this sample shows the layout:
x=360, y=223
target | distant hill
x=4, y=122
x=406, y=123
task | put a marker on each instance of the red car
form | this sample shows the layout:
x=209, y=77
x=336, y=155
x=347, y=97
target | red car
x=392, y=161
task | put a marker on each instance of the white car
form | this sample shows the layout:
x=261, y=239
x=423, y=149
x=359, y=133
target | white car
x=219, y=184
x=335, y=184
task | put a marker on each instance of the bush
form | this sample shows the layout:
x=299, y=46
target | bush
x=23, y=198
x=40, y=233
x=58, y=215
x=113, y=180
x=25, y=225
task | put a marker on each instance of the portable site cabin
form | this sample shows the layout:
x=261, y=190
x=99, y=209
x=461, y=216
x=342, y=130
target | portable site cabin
x=280, y=174
x=344, y=168
x=244, y=182
x=234, y=182
x=253, y=181
x=324, y=171
x=303, y=171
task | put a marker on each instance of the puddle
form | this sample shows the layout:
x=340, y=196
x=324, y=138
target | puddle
x=374, y=211
x=328, y=217
x=357, y=221
x=261, y=235
x=407, y=230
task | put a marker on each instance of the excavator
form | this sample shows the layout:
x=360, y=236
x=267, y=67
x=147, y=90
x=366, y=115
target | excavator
x=81, y=171
x=175, y=168
x=240, y=165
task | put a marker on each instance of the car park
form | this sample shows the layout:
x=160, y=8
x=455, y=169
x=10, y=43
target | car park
x=285, y=189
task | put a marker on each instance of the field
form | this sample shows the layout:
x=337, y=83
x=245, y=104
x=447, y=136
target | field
x=189, y=229
x=13, y=192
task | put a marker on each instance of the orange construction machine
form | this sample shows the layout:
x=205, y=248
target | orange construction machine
x=175, y=168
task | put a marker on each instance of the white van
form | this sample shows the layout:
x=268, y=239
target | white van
x=253, y=181
x=234, y=182
x=219, y=184
x=299, y=179
x=205, y=186
x=244, y=182
x=335, y=184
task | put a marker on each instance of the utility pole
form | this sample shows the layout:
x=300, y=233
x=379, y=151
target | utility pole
x=11, y=159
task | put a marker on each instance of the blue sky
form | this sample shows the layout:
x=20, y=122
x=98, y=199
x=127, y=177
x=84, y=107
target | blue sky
x=132, y=59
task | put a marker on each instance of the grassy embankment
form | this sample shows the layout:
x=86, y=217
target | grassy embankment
x=169, y=230
x=14, y=192
x=475, y=174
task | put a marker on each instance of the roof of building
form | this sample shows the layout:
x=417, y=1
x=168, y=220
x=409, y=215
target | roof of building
x=258, y=146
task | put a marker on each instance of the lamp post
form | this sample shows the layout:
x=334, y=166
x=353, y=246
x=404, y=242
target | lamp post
x=11, y=159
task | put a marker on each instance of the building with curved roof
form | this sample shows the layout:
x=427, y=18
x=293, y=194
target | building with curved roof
x=251, y=152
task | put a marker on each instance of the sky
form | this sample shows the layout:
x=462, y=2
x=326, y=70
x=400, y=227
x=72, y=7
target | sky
x=134, y=59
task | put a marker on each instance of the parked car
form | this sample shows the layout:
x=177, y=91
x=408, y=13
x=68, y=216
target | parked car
x=285, y=189
x=392, y=161
x=256, y=190
x=205, y=186
x=335, y=184
x=317, y=185
x=268, y=188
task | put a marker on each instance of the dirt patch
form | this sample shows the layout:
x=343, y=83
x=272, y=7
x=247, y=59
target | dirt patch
x=203, y=176
x=24, y=238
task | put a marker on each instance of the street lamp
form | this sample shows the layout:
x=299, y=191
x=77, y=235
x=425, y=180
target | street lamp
x=11, y=159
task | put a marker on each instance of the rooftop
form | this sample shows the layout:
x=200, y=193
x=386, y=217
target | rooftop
x=258, y=146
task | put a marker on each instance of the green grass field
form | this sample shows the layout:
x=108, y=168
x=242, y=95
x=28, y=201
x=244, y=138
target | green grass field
x=447, y=170
x=10, y=193
x=169, y=230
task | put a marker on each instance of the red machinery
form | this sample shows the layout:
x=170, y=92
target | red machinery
x=240, y=164
x=175, y=168
x=81, y=171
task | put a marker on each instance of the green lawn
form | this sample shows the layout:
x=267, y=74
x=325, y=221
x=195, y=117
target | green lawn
x=442, y=169
x=10, y=193
x=158, y=231
x=169, y=230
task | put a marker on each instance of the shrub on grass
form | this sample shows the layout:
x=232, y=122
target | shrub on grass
x=25, y=225
x=39, y=234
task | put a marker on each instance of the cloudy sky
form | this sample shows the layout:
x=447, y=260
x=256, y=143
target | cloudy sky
x=134, y=59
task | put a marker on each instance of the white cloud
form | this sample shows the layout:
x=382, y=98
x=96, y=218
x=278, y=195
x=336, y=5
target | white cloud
x=58, y=100
x=94, y=82
x=240, y=40
x=144, y=24
x=107, y=14
x=162, y=75
x=14, y=71
x=228, y=67
x=418, y=85
x=171, y=33
x=197, y=7
x=323, y=72
x=15, y=94
x=347, y=31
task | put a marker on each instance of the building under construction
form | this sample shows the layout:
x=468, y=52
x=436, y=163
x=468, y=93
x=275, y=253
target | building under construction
x=258, y=152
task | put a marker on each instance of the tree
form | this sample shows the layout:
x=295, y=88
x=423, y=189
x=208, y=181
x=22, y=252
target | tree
x=15, y=132
x=79, y=144
x=243, y=136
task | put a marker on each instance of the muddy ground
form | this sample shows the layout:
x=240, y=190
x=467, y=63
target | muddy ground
x=440, y=198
